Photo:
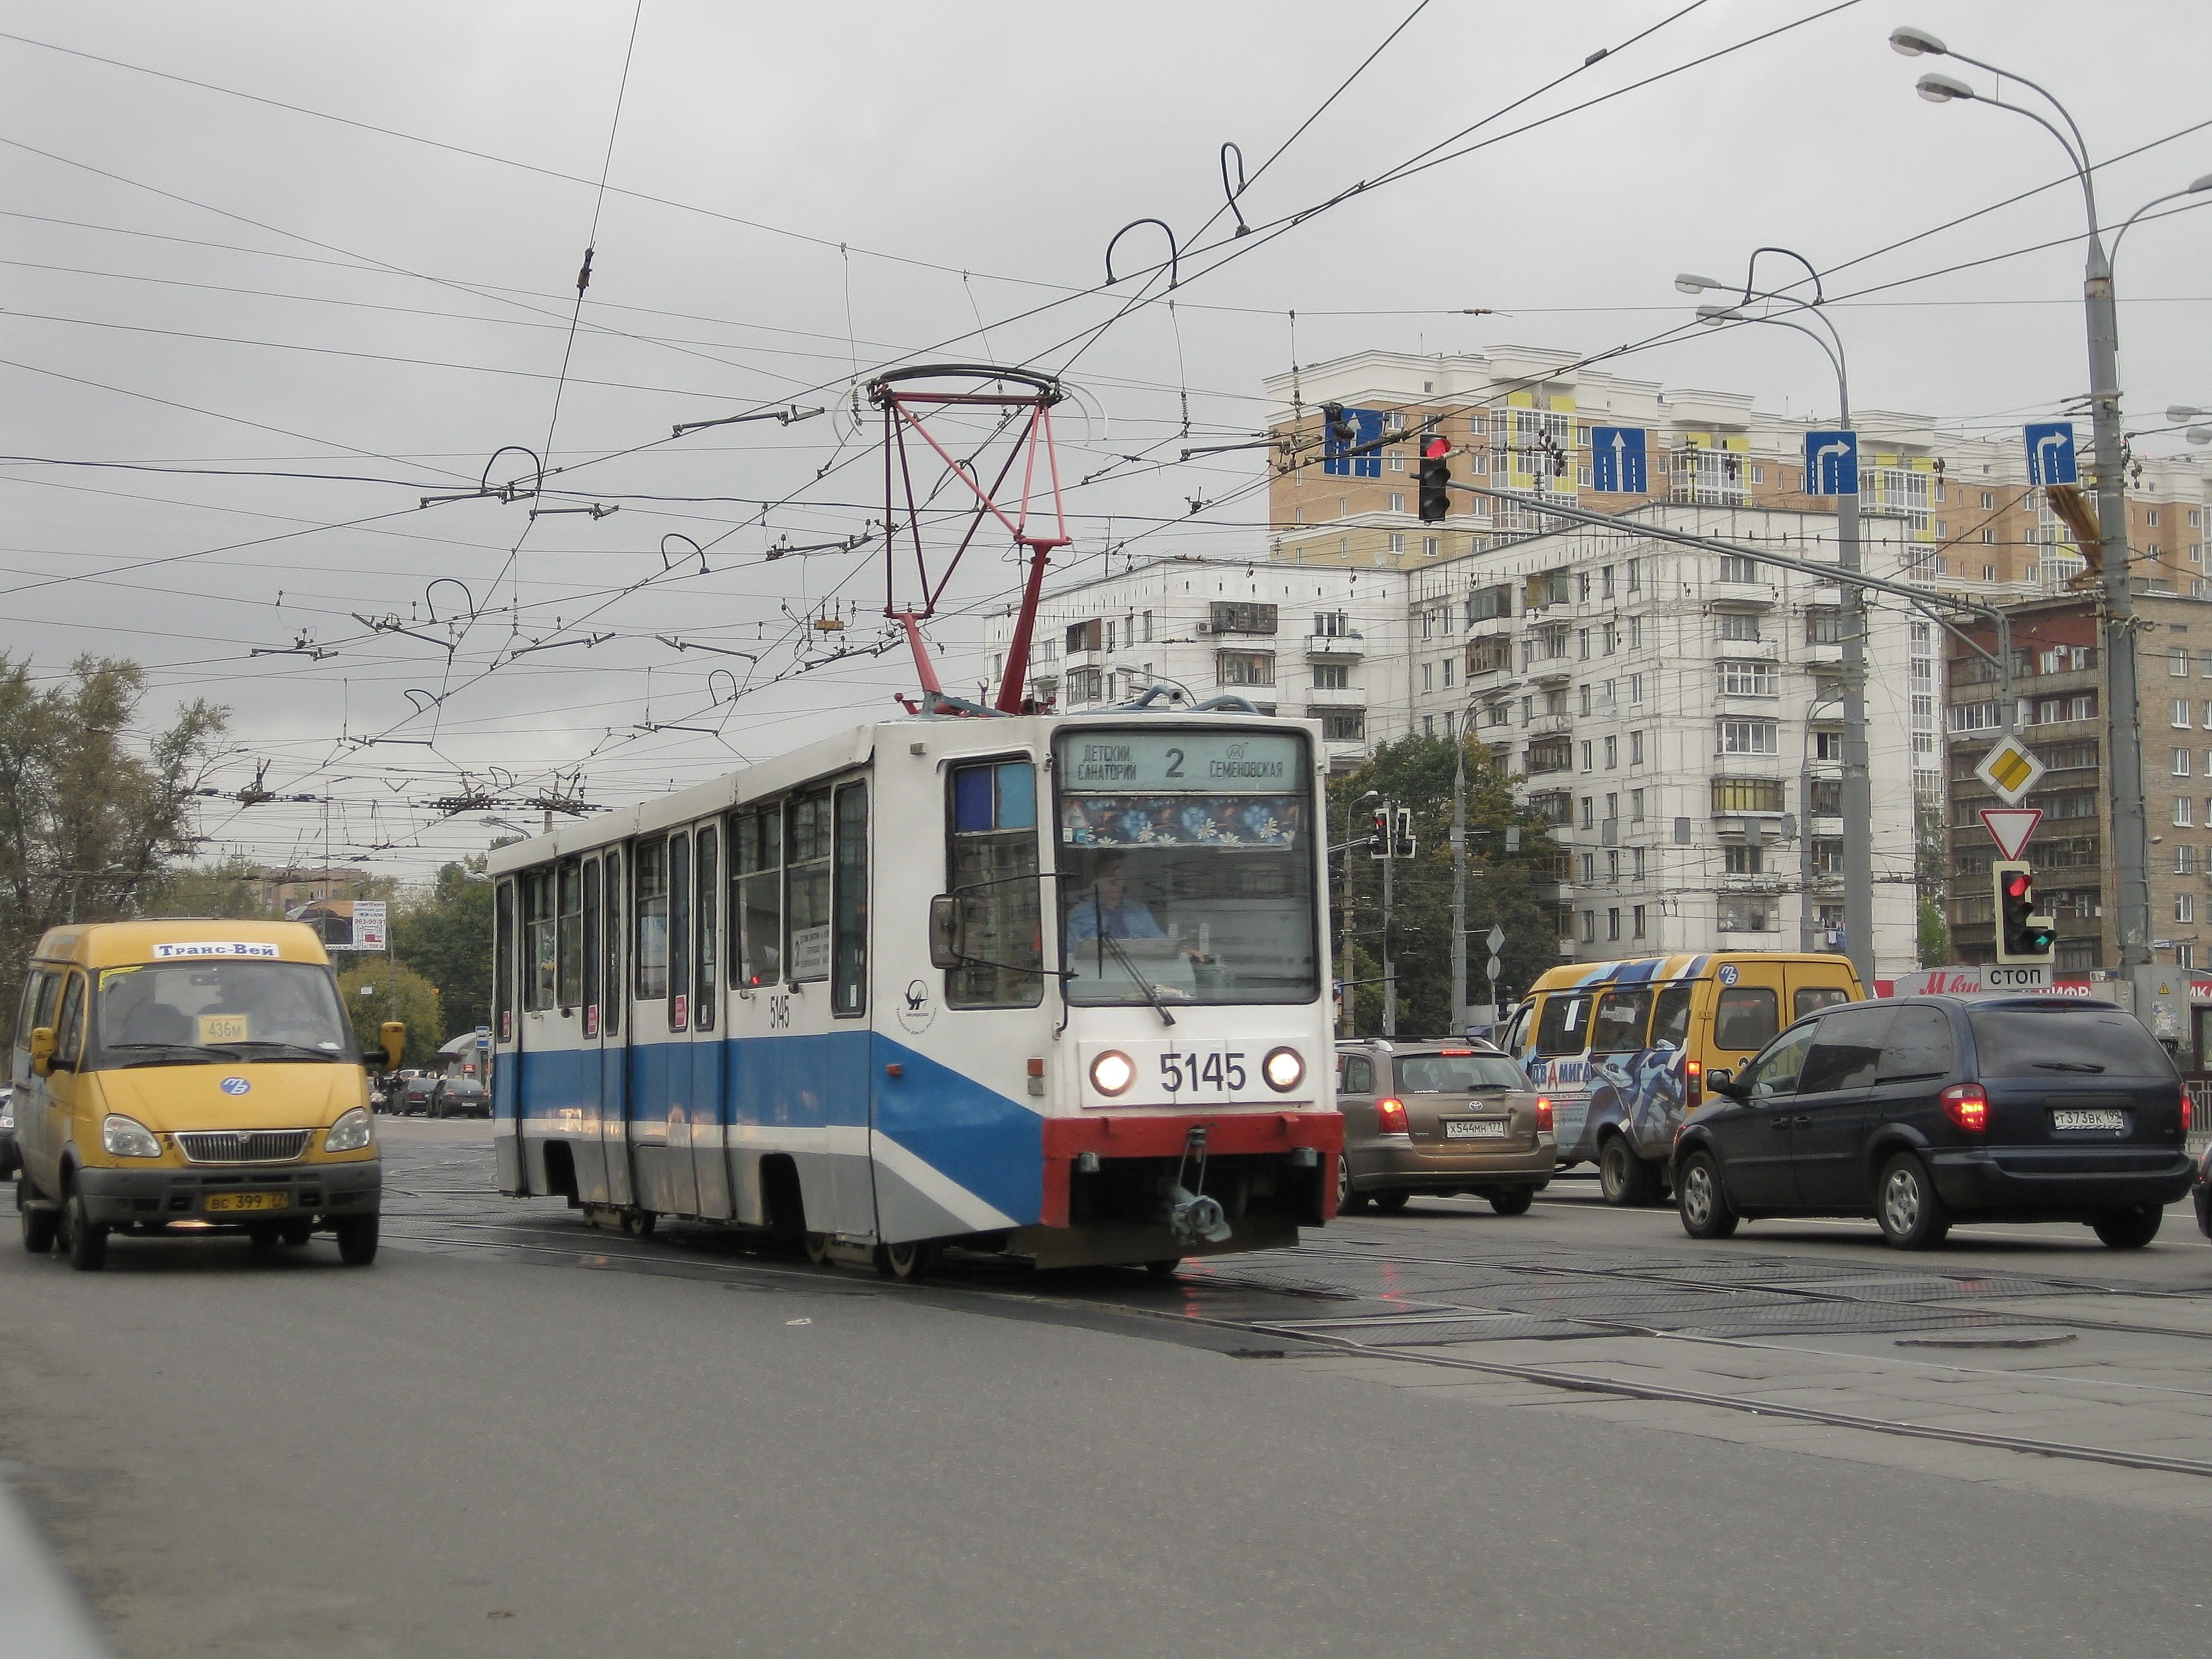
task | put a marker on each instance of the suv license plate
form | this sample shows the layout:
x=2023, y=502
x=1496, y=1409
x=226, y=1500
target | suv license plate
x=220, y=1201
x=1475, y=1128
x=2083, y=1118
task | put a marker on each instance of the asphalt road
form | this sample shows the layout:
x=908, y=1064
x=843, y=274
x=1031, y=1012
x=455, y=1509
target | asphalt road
x=516, y=1435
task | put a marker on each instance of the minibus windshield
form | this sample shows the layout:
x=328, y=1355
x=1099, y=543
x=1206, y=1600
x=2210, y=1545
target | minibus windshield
x=206, y=1012
x=1186, y=867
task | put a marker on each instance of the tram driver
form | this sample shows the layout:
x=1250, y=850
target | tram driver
x=1105, y=906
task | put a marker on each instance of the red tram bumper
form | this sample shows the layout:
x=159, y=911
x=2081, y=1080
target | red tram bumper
x=1270, y=1137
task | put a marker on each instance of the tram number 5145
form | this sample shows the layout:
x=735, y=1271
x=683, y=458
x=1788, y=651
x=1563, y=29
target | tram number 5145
x=1216, y=1070
x=778, y=1013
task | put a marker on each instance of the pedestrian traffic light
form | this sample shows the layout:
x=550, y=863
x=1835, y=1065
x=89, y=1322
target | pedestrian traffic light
x=1402, y=833
x=1435, y=479
x=2023, y=936
x=1378, y=845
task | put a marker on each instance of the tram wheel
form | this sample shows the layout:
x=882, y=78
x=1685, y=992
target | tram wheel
x=818, y=1248
x=1164, y=1267
x=910, y=1261
x=640, y=1224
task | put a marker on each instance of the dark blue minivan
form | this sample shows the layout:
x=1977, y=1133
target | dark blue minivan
x=1921, y=1111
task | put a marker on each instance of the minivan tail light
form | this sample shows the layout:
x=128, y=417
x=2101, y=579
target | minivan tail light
x=1543, y=1115
x=1390, y=1116
x=1967, y=1106
x=2188, y=1109
x=1694, y=1084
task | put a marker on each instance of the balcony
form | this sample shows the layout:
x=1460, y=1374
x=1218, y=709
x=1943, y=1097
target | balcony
x=1748, y=650
x=1824, y=654
x=1550, y=726
x=1552, y=670
x=1337, y=696
x=1749, y=595
x=1769, y=882
x=1335, y=647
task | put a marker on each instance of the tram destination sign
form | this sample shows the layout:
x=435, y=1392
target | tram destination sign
x=1210, y=762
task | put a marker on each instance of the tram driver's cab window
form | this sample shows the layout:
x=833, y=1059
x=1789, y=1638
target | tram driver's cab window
x=991, y=873
x=1186, y=866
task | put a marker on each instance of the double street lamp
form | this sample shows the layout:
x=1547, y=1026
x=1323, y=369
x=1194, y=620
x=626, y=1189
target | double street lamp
x=1858, y=790
x=2130, y=830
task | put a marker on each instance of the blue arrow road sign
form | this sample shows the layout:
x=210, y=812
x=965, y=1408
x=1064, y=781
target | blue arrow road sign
x=1617, y=460
x=2050, y=453
x=1831, y=464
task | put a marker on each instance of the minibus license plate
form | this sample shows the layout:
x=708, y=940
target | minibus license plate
x=1475, y=1128
x=2082, y=1118
x=220, y=1201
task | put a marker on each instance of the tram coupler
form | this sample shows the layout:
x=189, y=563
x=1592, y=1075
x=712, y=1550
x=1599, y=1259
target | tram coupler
x=1192, y=1217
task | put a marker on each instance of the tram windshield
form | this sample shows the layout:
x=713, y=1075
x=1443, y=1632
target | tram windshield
x=1186, y=865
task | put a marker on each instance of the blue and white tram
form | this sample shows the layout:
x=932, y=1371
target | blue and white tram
x=1048, y=986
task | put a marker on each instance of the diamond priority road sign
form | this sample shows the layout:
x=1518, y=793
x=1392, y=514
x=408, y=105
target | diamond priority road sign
x=2010, y=827
x=2010, y=768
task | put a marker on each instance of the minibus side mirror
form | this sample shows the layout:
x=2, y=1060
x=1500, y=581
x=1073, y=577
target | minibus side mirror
x=947, y=938
x=42, y=1050
x=392, y=1036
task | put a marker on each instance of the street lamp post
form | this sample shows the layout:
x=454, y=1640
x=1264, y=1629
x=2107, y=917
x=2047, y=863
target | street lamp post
x=2130, y=830
x=1857, y=786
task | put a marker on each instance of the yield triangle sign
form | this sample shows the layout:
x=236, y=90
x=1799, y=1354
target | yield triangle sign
x=2010, y=827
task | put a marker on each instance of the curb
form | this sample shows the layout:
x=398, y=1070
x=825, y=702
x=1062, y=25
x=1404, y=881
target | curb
x=41, y=1611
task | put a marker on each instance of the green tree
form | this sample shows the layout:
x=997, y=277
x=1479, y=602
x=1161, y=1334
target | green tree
x=93, y=813
x=1501, y=886
x=230, y=888
x=372, y=998
x=446, y=934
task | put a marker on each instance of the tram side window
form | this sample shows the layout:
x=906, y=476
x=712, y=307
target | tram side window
x=611, y=1014
x=993, y=866
x=703, y=1005
x=591, y=948
x=503, y=963
x=540, y=955
x=679, y=931
x=756, y=898
x=849, y=981
x=806, y=905
x=570, y=929
x=650, y=865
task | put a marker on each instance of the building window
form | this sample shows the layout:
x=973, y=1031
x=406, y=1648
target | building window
x=1612, y=753
x=1636, y=575
x=1738, y=624
x=1428, y=725
x=1827, y=745
x=1397, y=505
x=2184, y=811
x=2185, y=955
x=2177, y=664
x=1447, y=666
x=2185, y=906
x=1242, y=668
x=1586, y=755
x=1613, y=924
x=1738, y=568
x=1636, y=854
x=1732, y=795
x=1748, y=678
x=2181, y=761
x=1635, y=683
x=1427, y=676
x=1341, y=725
x=1589, y=926
x=1636, y=749
x=1431, y=546
x=1749, y=738
x=1745, y=916
x=1636, y=803
x=1744, y=860
x=1636, y=922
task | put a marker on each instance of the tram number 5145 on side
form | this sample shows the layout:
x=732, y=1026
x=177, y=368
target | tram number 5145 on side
x=1217, y=1071
x=778, y=1013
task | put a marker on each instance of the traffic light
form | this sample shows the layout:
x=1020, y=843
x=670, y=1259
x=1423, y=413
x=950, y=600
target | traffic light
x=1402, y=833
x=1379, y=844
x=2023, y=936
x=1435, y=479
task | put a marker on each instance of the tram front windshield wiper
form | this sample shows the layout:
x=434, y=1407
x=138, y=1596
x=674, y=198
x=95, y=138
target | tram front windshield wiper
x=1151, y=991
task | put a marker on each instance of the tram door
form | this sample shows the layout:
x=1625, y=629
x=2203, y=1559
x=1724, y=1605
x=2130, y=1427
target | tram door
x=504, y=1083
x=706, y=1117
x=604, y=1016
x=659, y=1073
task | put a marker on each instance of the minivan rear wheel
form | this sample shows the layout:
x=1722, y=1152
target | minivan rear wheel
x=1622, y=1176
x=1912, y=1216
x=1700, y=1200
x=2129, y=1229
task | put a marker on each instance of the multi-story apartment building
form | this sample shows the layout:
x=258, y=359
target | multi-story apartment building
x=1676, y=713
x=1328, y=644
x=2063, y=697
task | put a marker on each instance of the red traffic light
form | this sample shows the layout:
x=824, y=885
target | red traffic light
x=2017, y=886
x=1434, y=448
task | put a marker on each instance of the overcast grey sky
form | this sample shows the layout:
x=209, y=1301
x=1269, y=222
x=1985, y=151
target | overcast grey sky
x=193, y=279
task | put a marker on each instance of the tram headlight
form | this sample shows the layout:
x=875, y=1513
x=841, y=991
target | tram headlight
x=1112, y=1073
x=1284, y=1069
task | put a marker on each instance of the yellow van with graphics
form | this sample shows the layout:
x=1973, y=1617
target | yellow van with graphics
x=182, y=1077
x=1622, y=1049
